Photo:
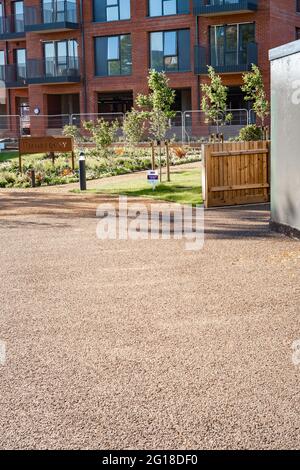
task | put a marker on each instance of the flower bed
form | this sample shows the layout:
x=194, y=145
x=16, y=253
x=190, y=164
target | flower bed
x=115, y=162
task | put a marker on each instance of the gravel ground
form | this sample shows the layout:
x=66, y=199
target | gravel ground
x=143, y=345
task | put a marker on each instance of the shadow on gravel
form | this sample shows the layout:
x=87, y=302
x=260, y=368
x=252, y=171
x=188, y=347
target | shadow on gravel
x=239, y=222
x=225, y=223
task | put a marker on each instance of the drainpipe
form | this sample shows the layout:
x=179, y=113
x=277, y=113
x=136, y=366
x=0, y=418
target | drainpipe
x=8, y=90
x=198, y=76
x=83, y=57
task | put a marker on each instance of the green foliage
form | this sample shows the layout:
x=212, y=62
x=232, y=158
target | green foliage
x=214, y=101
x=157, y=104
x=74, y=132
x=249, y=133
x=103, y=132
x=134, y=126
x=116, y=162
x=255, y=91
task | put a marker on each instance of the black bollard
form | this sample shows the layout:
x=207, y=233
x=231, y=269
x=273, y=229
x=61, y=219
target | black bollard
x=82, y=172
x=32, y=177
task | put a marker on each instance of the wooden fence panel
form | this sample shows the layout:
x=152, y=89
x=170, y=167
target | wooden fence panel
x=236, y=173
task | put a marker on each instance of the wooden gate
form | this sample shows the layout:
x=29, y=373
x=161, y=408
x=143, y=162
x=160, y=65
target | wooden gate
x=236, y=173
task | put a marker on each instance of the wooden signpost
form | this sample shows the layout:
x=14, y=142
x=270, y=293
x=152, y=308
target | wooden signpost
x=33, y=145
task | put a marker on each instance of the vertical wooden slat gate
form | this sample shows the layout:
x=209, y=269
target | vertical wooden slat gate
x=236, y=173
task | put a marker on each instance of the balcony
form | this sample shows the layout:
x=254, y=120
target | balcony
x=223, y=7
x=49, y=20
x=54, y=70
x=12, y=27
x=13, y=75
x=230, y=63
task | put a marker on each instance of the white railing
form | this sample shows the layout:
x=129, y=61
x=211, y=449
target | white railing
x=10, y=126
x=185, y=126
x=50, y=124
x=78, y=119
x=196, y=126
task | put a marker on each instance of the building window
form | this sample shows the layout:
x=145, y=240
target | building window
x=170, y=51
x=228, y=43
x=20, y=60
x=60, y=56
x=111, y=10
x=297, y=33
x=113, y=55
x=2, y=73
x=168, y=7
x=18, y=11
x=57, y=11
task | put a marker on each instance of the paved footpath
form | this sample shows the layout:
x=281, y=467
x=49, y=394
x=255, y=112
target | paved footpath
x=122, y=344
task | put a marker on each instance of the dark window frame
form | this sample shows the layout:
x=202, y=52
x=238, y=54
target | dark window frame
x=56, y=57
x=106, y=7
x=164, y=69
x=119, y=60
x=168, y=15
x=225, y=26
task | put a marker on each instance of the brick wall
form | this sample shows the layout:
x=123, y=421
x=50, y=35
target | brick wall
x=275, y=20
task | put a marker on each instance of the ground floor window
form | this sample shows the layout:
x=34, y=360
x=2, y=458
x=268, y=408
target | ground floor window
x=118, y=102
x=236, y=101
x=60, y=107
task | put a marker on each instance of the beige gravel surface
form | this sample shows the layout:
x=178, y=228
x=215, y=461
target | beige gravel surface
x=143, y=345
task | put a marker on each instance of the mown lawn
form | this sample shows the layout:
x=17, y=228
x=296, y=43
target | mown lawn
x=7, y=155
x=184, y=188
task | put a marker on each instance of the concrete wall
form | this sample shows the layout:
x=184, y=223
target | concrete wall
x=285, y=163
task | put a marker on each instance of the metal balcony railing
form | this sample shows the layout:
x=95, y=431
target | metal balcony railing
x=13, y=75
x=54, y=70
x=12, y=27
x=229, y=62
x=215, y=7
x=62, y=16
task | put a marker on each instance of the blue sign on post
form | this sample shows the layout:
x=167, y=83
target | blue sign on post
x=152, y=177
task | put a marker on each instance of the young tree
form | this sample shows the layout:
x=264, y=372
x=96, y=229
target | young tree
x=255, y=91
x=214, y=101
x=74, y=132
x=157, y=106
x=134, y=126
x=103, y=133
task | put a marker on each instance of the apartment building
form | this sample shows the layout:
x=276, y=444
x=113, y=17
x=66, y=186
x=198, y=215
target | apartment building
x=61, y=57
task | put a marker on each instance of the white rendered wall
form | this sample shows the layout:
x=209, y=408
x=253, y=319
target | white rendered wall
x=285, y=147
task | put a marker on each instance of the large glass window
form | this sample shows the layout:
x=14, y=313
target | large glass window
x=111, y=10
x=1, y=18
x=18, y=10
x=57, y=11
x=170, y=50
x=168, y=7
x=113, y=55
x=229, y=43
x=20, y=60
x=2, y=63
x=60, y=57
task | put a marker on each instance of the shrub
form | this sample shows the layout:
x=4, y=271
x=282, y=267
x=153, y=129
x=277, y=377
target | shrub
x=103, y=132
x=179, y=152
x=251, y=132
x=134, y=126
x=97, y=166
x=74, y=132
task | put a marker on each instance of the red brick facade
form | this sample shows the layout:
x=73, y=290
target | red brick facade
x=276, y=22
